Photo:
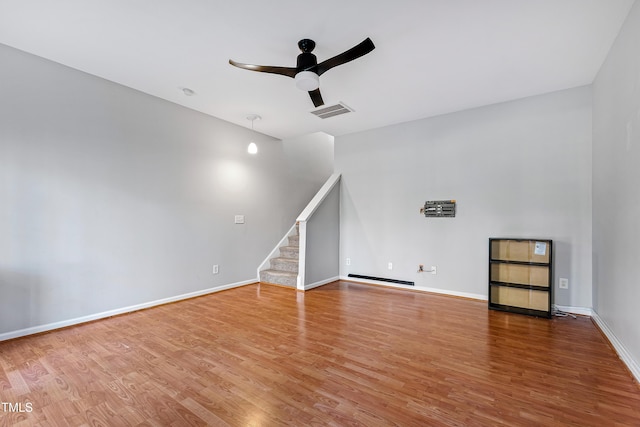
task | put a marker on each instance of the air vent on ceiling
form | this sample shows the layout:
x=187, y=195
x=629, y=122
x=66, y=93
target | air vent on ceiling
x=333, y=110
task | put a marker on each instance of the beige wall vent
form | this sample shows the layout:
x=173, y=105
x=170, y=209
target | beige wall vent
x=333, y=110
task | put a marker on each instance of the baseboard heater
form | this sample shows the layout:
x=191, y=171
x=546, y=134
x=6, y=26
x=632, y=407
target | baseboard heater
x=382, y=279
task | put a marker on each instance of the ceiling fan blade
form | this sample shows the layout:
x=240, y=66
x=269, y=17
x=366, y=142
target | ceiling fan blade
x=355, y=52
x=316, y=97
x=284, y=71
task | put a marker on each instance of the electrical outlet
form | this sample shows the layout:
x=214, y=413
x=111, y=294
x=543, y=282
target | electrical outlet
x=348, y=261
x=390, y=266
x=215, y=269
x=434, y=269
x=563, y=283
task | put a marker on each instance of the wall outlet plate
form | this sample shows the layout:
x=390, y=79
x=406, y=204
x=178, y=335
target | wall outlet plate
x=563, y=283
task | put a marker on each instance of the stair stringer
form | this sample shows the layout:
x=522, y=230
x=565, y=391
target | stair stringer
x=301, y=222
x=265, y=265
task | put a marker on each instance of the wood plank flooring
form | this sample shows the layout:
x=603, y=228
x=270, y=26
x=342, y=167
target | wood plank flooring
x=344, y=354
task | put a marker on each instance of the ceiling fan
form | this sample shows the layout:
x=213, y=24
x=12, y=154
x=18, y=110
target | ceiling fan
x=308, y=70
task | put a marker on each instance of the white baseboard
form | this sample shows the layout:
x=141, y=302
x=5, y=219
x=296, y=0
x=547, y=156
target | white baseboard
x=583, y=311
x=321, y=283
x=480, y=297
x=70, y=322
x=622, y=351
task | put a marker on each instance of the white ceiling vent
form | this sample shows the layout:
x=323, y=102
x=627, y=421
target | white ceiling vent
x=333, y=110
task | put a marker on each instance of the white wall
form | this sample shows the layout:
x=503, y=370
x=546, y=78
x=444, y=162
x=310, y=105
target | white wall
x=517, y=169
x=111, y=198
x=616, y=194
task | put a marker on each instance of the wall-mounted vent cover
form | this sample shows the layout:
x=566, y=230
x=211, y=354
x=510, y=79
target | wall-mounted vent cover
x=333, y=110
x=382, y=279
x=439, y=208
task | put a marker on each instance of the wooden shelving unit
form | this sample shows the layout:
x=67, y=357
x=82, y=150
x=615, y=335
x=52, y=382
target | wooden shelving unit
x=521, y=275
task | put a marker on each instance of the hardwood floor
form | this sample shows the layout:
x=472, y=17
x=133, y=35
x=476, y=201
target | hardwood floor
x=344, y=354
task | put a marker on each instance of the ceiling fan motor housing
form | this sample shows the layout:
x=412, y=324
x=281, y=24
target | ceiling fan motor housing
x=307, y=78
x=307, y=61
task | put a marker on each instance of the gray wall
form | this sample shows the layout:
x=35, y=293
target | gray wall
x=616, y=193
x=323, y=240
x=111, y=198
x=520, y=168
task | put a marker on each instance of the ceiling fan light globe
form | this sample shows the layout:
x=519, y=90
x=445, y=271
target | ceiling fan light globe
x=307, y=81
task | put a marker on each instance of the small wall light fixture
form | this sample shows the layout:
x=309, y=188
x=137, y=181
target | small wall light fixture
x=253, y=148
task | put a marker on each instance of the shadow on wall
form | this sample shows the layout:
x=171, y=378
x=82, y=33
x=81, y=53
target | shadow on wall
x=561, y=268
x=19, y=300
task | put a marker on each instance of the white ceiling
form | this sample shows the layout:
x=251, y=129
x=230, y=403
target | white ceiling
x=432, y=56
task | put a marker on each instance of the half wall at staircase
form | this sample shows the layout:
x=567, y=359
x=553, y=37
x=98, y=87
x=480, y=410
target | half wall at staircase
x=308, y=256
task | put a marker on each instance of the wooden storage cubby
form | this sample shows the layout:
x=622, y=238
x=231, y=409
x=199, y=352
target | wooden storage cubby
x=521, y=275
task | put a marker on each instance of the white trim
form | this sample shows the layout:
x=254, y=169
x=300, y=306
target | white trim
x=272, y=254
x=97, y=316
x=480, y=297
x=583, y=311
x=622, y=351
x=319, y=197
x=321, y=283
x=302, y=252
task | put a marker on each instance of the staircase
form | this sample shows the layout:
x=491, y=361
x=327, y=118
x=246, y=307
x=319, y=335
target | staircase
x=284, y=268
